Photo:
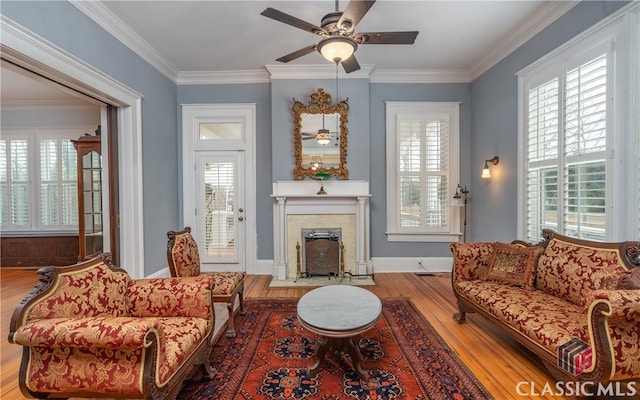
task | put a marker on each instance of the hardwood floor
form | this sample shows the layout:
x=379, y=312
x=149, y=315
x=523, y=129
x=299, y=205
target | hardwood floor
x=497, y=361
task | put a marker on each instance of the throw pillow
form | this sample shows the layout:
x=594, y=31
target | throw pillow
x=513, y=264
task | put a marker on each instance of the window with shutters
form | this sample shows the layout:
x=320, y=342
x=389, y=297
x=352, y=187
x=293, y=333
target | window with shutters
x=38, y=181
x=635, y=45
x=422, y=166
x=576, y=148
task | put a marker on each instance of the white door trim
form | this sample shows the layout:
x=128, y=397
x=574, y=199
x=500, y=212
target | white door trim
x=25, y=48
x=191, y=113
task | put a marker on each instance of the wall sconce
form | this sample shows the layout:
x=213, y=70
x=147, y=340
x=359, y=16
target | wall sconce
x=486, y=173
x=461, y=192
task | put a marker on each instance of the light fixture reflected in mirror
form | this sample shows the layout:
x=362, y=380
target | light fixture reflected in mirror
x=316, y=162
x=486, y=172
x=324, y=136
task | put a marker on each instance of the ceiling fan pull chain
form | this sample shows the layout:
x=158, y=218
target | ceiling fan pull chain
x=337, y=96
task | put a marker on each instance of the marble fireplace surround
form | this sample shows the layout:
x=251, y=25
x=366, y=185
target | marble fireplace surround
x=296, y=204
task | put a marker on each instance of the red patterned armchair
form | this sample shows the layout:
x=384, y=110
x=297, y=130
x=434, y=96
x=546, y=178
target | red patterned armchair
x=89, y=330
x=184, y=260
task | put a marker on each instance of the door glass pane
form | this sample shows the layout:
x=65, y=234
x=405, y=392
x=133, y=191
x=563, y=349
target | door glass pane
x=219, y=198
x=220, y=131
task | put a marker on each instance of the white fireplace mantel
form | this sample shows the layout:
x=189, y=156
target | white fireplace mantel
x=301, y=198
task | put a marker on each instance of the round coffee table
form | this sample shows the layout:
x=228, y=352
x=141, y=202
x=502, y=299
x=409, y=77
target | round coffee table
x=339, y=313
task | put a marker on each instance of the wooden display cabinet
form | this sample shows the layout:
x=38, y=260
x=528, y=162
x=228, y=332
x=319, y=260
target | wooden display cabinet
x=89, y=196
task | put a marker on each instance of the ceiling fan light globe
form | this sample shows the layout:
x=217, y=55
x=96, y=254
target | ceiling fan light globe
x=323, y=137
x=337, y=48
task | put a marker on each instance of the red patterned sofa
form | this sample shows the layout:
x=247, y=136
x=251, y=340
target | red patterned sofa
x=547, y=294
x=89, y=330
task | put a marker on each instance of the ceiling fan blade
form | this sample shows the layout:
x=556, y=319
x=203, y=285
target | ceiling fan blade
x=297, y=54
x=293, y=21
x=407, y=37
x=350, y=64
x=353, y=13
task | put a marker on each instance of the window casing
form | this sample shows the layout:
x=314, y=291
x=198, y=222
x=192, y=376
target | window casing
x=38, y=180
x=422, y=171
x=576, y=145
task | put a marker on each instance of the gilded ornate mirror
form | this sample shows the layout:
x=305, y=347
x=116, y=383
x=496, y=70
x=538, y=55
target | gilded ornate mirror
x=320, y=136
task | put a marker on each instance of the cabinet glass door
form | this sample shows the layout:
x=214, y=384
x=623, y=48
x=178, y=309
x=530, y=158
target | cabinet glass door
x=92, y=199
x=90, y=234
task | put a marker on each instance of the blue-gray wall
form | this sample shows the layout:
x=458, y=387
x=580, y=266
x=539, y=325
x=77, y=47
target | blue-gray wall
x=488, y=126
x=65, y=26
x=282, y=94
x=493, y=206
x=258, y=93
x=381, y=93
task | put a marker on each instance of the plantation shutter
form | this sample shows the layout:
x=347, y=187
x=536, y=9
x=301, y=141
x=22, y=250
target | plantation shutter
x=542, y=158
x=423, y=171
x=637, y=124
x=58, y=184
x=220, y=225
x=14, y=184
x=585, y=149
x=566, y=153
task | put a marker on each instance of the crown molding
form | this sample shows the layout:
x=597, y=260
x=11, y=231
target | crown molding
x=222, y=77
x=323, y=71
x=48, y=104
x=316, y=71
x=19, y=44
x=102, y=16
x=421, y=76
x=534, y=25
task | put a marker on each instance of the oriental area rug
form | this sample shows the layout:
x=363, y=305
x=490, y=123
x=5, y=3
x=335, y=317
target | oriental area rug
x=268, y=359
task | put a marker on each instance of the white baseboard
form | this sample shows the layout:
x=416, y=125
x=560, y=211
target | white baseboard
x=411, y=264
x=163, y=273
x=385, y=265
x=381, y=265
x=265, y=267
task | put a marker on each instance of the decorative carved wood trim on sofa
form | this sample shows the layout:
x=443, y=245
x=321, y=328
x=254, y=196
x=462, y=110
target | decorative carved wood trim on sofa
x=115, y=325
x=602, y=307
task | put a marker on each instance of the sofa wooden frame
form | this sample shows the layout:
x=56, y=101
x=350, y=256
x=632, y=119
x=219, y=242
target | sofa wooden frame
x=630, y=256
x=48, y=277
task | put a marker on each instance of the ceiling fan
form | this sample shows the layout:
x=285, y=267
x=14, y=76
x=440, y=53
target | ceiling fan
x=323, y=136
x=339, y=41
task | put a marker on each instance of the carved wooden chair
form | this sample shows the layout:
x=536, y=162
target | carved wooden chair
x=184, y=260
x=89, y=330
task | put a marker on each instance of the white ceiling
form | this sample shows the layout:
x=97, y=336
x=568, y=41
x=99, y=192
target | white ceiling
x=215, y=36
x=232, y=35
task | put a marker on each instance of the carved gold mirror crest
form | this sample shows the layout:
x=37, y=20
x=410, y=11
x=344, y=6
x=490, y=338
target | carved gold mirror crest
x=320, y=137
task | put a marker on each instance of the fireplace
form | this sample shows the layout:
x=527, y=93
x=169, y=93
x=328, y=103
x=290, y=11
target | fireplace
x=297, y=206
x=321, y=253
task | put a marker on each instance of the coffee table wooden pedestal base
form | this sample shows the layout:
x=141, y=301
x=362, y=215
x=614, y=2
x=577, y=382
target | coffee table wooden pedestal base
x=340, y=346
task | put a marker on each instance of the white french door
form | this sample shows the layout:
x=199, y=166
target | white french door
x=220, y=207
x=219, y=184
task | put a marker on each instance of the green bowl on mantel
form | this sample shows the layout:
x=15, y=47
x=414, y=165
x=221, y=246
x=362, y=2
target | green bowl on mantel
x=323, y=175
